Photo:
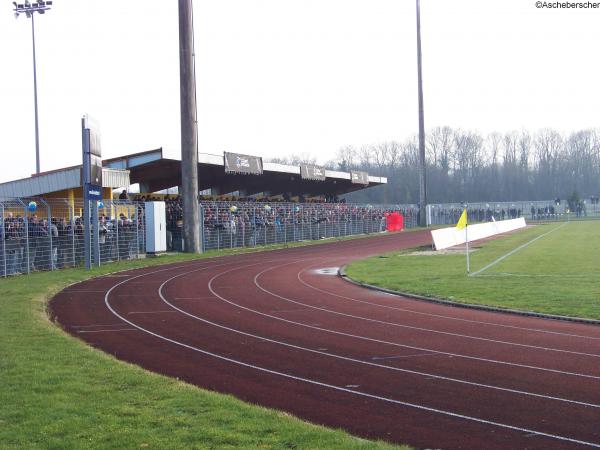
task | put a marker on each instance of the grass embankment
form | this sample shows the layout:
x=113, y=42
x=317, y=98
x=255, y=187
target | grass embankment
x=56, y=392
x=557, y=274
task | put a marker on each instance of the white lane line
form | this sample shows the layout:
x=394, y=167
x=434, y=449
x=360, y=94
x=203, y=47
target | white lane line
x=152, y=312
x=440, y=316
x=97, y=325
x=381, y=358
x=339, y=388
x=512, y=252
x=410, y=327
x=340, y=333
x=106, y=331
x=211, y=297
x=321, y=351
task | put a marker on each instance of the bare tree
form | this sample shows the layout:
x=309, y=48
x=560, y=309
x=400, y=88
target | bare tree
x=295, y=159
x=462, y=165
x=346, y=157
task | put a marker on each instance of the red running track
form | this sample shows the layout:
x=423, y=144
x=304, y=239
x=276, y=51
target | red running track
x=271, y=329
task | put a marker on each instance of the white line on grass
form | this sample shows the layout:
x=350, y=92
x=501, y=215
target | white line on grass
x=512, y=252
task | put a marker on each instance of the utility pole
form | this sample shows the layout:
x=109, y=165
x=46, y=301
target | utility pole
x=422, y=170
x=189, y=129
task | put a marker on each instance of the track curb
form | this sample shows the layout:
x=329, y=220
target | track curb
x=342, y=274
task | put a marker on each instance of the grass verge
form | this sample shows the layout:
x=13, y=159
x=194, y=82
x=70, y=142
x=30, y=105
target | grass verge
x=58, y=392
x=557, y=274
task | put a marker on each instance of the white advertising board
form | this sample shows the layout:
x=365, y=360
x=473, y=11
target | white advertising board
x=449, y=237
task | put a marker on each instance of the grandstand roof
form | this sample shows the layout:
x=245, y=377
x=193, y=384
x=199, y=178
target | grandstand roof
x=155, y=173
x=59, y=180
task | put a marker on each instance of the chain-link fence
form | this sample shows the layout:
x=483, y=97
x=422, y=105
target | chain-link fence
x=249, y=224
x=48, y=234
x=547, y=210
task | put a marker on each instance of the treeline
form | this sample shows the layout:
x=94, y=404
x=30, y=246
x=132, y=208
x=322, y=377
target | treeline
x=467, y=166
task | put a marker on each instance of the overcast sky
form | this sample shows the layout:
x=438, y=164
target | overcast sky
x=276, y=77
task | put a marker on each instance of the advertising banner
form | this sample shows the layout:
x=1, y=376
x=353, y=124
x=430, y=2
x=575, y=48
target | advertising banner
x=245, y=164
x=311, y=172
x=359, y=177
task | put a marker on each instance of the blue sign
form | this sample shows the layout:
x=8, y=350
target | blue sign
x=92, y=192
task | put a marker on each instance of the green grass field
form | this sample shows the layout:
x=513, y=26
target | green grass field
x=557, y=274
x=56, y=392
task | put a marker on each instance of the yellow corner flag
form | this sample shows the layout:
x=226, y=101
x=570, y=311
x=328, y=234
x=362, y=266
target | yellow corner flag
x=462, y=222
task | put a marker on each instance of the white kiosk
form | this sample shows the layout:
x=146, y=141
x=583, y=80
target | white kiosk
x=156, y=227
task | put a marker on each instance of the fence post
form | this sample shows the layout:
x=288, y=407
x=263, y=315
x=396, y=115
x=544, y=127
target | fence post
x=253, y=228
x=2, y=234
x=286, y=217
x=317, y=218
x=294, y=220
x=49, y=209
x=116, y=228
x=217, y=225
x=232, y=229
x=265, y=221
x=137, y=231
x=72, y=212
x=26, y=224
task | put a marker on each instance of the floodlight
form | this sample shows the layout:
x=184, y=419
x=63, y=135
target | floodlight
x=41, y=6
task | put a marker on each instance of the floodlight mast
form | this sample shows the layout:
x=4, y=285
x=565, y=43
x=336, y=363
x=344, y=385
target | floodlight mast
x=422, y=163
x=29, y=9
x=189, y=129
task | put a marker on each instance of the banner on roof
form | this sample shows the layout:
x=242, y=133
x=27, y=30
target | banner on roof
x=246, y=164
x=359, y=177
x=311, y=172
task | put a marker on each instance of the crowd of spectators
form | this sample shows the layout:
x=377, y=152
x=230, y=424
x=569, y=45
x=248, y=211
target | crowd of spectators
x=35, y=243
x=29, y=245
x=239, y=223
x=444, y=215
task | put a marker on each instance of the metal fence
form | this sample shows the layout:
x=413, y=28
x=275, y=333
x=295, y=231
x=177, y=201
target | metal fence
x=547, y=210
x=48, y=234
x=249, y=224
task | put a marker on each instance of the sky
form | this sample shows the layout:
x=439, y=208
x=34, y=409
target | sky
x=282, y=77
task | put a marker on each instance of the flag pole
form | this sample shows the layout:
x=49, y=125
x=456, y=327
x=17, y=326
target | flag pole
x=467, y=242
x=463, y=222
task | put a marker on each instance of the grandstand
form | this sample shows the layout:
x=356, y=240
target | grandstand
x=219, y=174
x=248, y=203
x=153, y=172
